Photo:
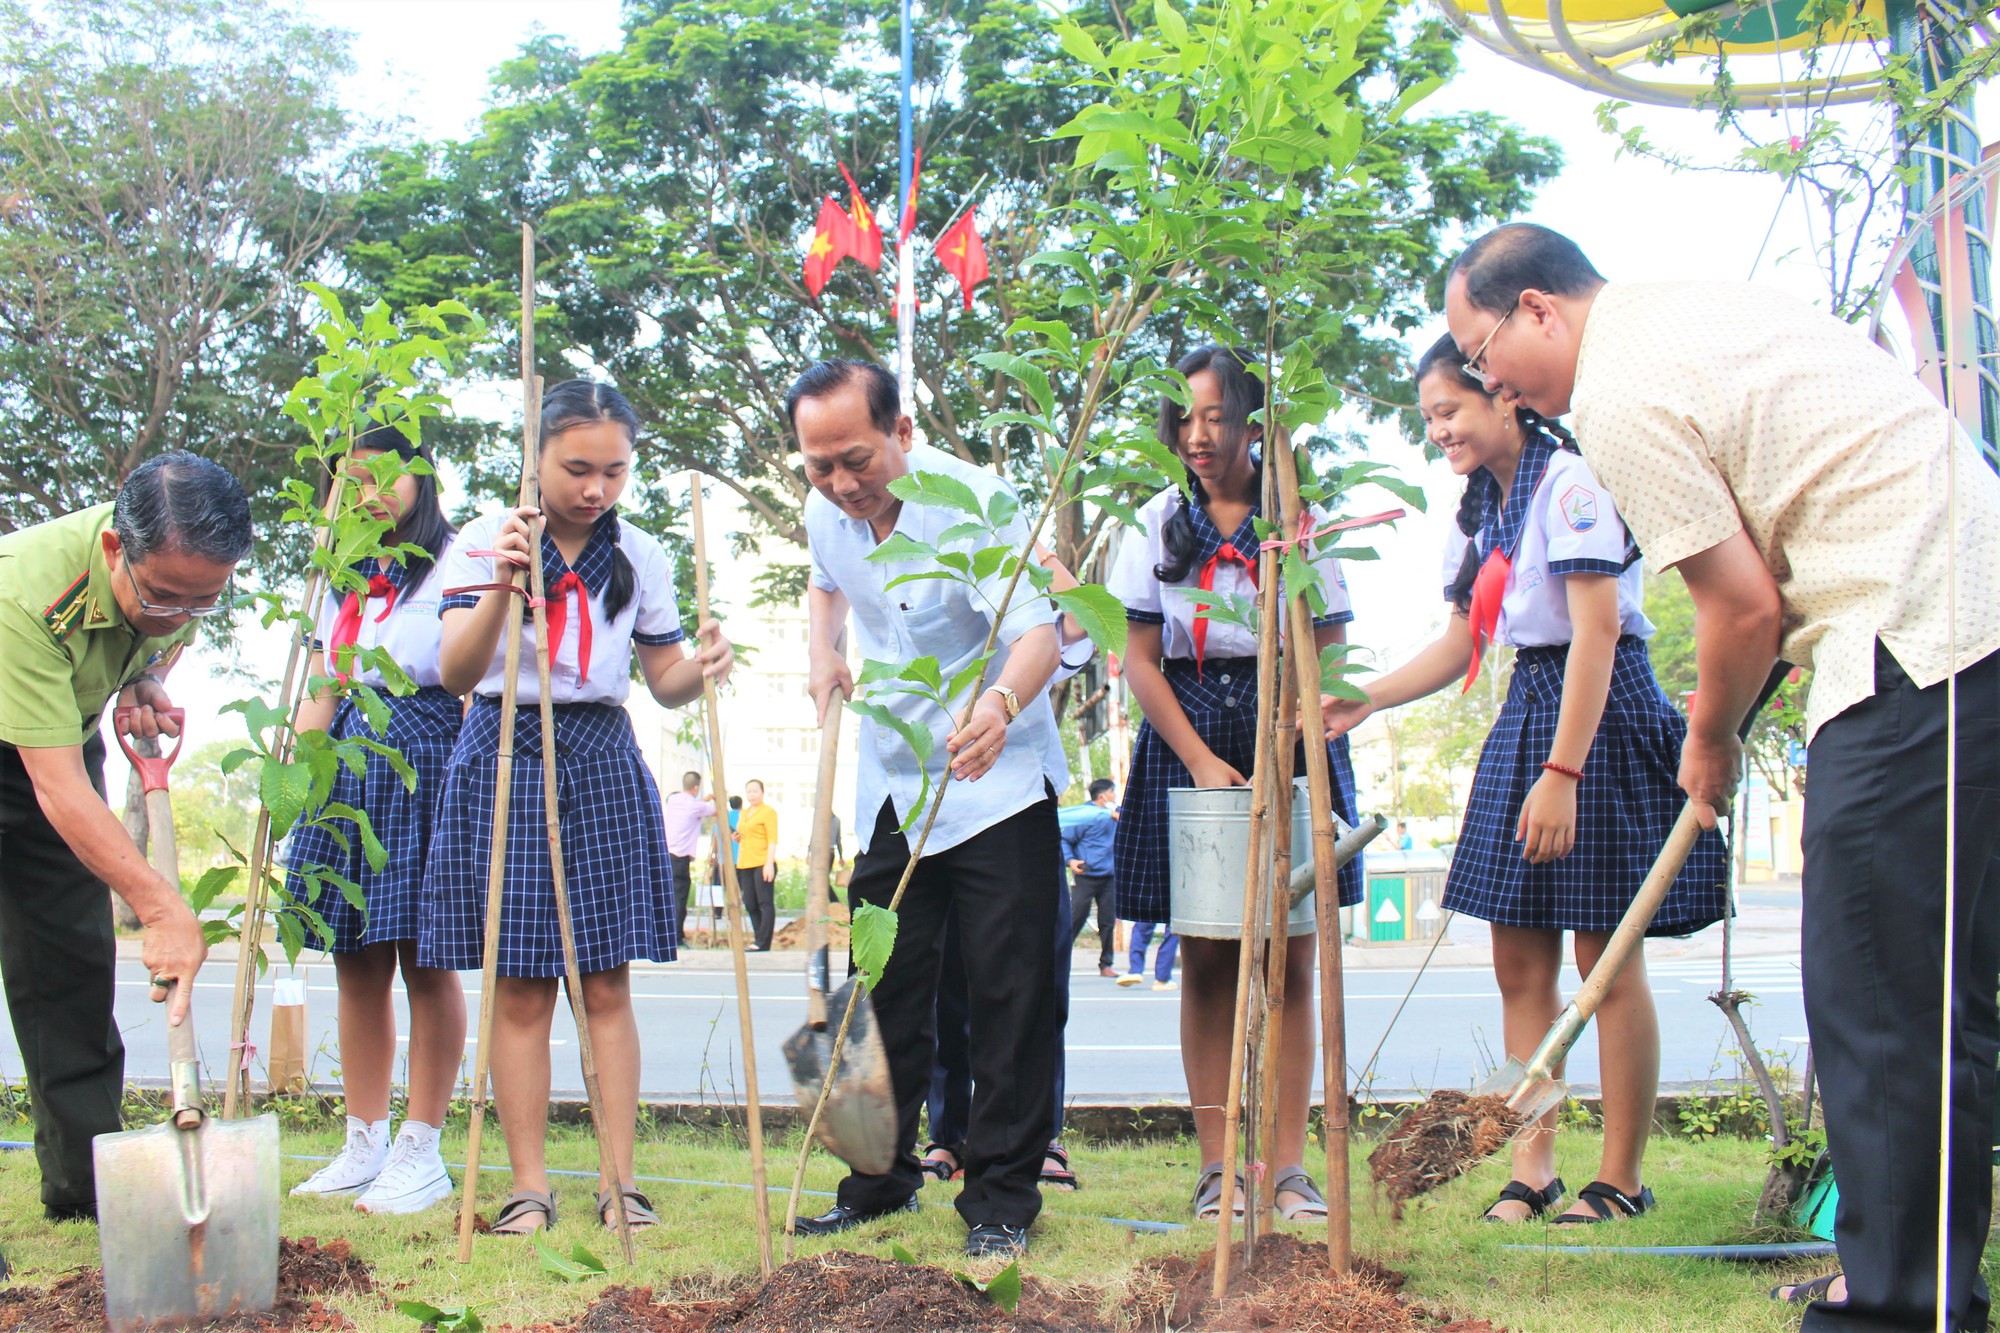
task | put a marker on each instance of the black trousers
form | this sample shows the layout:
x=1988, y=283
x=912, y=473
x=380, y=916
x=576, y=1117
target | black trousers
x=58, y=961
x=1873, y=952
x=1000, y=884
x=759, y=904
x=683, y=872
x=1085, y=890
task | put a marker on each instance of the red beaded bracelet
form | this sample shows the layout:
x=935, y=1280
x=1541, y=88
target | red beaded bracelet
x=1564, y=769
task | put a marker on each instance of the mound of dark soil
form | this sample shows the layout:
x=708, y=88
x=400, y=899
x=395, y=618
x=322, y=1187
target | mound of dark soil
x=1441, y=1139
x=305, y=1269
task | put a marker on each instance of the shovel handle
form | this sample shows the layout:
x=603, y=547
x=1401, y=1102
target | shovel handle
x=152, y=769
x=819, y=867
x=184, y=1069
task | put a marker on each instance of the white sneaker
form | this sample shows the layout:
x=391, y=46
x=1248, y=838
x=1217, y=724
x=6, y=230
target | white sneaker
x=412, y=1179
x=359, y=1162
x=1166, y=985
x=1131, y=978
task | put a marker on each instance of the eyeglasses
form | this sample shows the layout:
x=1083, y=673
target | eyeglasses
x=214, y=608
x=1472, y=366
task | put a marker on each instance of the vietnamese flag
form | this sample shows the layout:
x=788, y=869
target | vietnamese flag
x=867, y=245
x=909, y=222
x=963, y=255
x=833, y=240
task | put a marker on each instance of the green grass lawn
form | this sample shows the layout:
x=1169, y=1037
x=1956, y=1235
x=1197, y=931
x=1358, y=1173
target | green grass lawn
x=707, y=1245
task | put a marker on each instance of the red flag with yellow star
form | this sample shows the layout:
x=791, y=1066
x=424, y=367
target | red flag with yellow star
x=867, y=231
x=833, y=240
x=963, y=255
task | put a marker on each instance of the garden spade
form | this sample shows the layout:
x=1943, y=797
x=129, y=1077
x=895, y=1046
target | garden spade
x=858, y=1124
x=187, y=1211
x=1531, y=1090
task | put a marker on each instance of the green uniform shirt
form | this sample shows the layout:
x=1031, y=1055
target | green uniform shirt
x=65, y=648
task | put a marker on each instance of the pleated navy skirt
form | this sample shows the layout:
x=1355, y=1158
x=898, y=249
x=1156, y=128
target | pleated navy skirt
x=423, y=727
x=614, y=843
x=1221, y=706
x=1625, y=806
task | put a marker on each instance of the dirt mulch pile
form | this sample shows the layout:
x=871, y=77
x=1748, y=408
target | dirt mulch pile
x=1444, y=1137
x=1288, y=1288
x=306, y=1269
x=793, y=934
x=840, y=1292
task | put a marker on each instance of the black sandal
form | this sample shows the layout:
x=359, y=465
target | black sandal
x=940, y=1171
x=1609, y=1203
x=1538, y=1201
x=1058, y=1176
x=1805, y=1293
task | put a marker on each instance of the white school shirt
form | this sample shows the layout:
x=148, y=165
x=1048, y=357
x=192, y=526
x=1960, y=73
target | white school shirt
x=946, y=620
x=1557, y=520
x=651, y=617
x=410, y=630
x=1172, y=606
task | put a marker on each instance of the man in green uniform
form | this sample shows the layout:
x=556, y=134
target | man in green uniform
x=94, y=604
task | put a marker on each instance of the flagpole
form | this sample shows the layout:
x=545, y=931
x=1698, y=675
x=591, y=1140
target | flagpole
x=906, y=280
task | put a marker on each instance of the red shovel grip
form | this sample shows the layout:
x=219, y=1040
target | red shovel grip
x=152, y=769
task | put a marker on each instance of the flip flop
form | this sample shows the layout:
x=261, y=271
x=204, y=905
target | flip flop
x=1208, y=1194
x=1311, y=1206
x=516, y=1207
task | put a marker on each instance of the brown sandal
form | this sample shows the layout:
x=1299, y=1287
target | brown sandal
x=639, y=1212
x=516, y=1207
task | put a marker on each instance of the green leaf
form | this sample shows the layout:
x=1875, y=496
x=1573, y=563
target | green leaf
x=872, y=933
x=284, y=789
x=577, y=1266
x=901, y=546
x=937, y=489
x=924, y=671
x=1004, y=1289
x=212, y=882
x=900, y=1253
x=1098, y=612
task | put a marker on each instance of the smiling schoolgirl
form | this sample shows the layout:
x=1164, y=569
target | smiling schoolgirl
x=610, y=595
x=1576, y=788
x=398, y=614
x=1196, y=681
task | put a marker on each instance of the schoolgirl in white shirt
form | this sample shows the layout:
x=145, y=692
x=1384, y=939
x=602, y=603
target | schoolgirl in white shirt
x=1196, y=680
x=610, y=595
x=1576, y=786
x=398, y=614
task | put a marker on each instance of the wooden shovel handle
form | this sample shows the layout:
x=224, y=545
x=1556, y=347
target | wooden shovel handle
x=819, y=867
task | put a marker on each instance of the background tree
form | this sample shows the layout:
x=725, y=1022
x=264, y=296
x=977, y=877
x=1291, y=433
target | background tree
x=673, y=181
x=167, y=179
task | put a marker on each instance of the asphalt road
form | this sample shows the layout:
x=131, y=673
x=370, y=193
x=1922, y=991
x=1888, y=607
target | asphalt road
x=1123, y=1044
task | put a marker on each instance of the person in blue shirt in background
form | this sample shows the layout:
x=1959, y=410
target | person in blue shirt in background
x=1086, y=840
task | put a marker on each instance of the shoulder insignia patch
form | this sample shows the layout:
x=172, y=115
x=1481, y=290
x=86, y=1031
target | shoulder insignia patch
x=66, y=609
x=1579, y=508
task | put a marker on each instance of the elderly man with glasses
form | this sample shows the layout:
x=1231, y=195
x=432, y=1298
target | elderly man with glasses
x=94, y=604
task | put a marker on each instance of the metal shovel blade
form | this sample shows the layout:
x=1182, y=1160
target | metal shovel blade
x=859, y=1123
x=1526, y=1095
x=187, y=1221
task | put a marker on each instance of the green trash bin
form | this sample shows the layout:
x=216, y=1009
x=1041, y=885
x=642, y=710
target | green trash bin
x=1388, y=908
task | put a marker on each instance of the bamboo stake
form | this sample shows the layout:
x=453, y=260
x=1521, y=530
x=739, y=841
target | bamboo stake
x=607, y=1162
x=1260, y=781
x=732, y=899
x=1277, y=938
x=1319, y=787
x=503, y=773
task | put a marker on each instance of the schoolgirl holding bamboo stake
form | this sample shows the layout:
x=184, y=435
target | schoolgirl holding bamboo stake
x=610, y=595
x=399, y=615
x=1575, y=790
x=1196, y=681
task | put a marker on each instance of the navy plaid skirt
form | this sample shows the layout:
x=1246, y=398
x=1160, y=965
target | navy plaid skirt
x=614, y=840
x=1625, y=806
x=424, y=727
x=1221, y=706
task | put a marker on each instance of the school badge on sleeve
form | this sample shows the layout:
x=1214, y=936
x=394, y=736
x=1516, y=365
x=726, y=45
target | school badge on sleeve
x=1579, y=508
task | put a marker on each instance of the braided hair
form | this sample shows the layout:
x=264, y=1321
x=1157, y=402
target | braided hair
x=1242, y=394
x=574, y=403
x=1482, y=493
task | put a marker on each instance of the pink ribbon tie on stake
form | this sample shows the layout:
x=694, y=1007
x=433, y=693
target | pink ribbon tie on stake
x=249, y=1050
x=1307, y=532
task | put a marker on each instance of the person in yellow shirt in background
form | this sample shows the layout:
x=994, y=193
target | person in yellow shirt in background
x=757, y=862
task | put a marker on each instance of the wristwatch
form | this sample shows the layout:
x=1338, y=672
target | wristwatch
x=1008, y=700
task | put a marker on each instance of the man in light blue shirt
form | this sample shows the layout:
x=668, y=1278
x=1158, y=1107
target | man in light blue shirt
x=993, y=854
x=1086, y=837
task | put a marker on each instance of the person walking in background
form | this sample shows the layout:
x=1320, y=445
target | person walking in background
x=1163, y=962
x=1404, y=842
x=1804, y=484
x=757, y=863
x=398, y=615
x=686, y=809
x=1086, y=838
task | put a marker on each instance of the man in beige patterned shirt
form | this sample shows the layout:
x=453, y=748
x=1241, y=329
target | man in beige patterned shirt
x=1801, y=482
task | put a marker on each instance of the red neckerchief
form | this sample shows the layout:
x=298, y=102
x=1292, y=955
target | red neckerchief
x=1489, y=589
x=347, y=626
x=558, y=616
x=1226, y=551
